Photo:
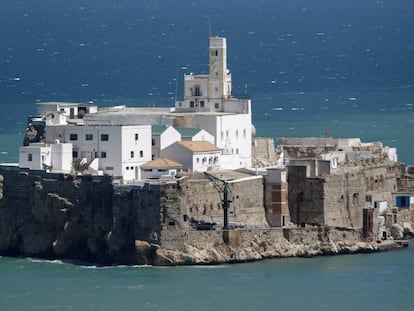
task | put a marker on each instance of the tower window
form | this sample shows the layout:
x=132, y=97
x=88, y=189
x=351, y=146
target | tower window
x=197, y=90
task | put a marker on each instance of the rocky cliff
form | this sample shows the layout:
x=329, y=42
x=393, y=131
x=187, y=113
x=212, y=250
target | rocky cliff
x=89, y=219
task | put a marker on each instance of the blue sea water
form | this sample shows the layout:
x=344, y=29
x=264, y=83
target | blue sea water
x=345, y=66
x=381, y=281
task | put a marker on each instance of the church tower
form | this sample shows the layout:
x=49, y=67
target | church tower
x=219, y=82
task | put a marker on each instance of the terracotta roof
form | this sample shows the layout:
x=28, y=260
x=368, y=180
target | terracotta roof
x=199, y=146
x=162, y=162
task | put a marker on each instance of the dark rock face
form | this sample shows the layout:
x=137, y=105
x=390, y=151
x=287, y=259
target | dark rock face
x=57, y=217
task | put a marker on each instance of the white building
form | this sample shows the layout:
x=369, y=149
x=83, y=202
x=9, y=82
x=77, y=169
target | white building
x=162, y=137
x=71, y=110
x=195, y=156
x=115, y=150
x=160, y=168
x=40, y=156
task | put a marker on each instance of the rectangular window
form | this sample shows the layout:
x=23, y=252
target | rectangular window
x=103, y=154
x=30, y=157
x=136, y=136
x=73, y=136
x=141, y=153
x=202, y=104
x=132, y=154
x=153, y=142
x=403, y=201
x=88, y=137
x=75, y=153
x=104, y=137
x=192, y=104
x=197, y=90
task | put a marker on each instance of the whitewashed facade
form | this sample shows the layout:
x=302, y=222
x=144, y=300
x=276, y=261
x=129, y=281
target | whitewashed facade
x=195, y=156
x=40, y=156
x=161, y=168
x=71, y=110
x=162, y=137
x=116, y=150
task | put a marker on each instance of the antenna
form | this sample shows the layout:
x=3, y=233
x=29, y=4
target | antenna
x=210, y=34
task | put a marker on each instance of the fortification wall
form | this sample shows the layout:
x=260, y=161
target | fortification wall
x=202, y=201
x=263, y=152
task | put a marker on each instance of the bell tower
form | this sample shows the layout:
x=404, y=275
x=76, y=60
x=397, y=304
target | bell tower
x=219, y=82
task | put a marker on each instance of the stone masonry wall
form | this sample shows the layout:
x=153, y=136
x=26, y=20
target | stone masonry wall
x=202, y=201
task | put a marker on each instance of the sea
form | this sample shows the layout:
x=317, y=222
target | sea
x=312, y=68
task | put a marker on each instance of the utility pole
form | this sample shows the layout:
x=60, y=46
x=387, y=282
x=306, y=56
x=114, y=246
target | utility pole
x=223, y=188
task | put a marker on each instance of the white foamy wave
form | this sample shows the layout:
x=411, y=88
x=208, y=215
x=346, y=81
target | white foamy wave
x=37, y=260
x=277, y=108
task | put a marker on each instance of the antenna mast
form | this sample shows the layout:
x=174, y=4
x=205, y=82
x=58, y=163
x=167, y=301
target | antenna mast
x=210, y=34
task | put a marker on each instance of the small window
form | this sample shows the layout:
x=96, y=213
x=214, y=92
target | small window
x=104, y=137
x=103, y=154
x=216, y=105
x=132, y=154
x=153, y=142
x=202, y=104
x=74, y=153
x=141, y=153
x=89, y=137
x=136, y=136
x=30, y=157
x=73, y=136
x=192, y=104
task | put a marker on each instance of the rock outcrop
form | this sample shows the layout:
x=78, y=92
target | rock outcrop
x=88, y=219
